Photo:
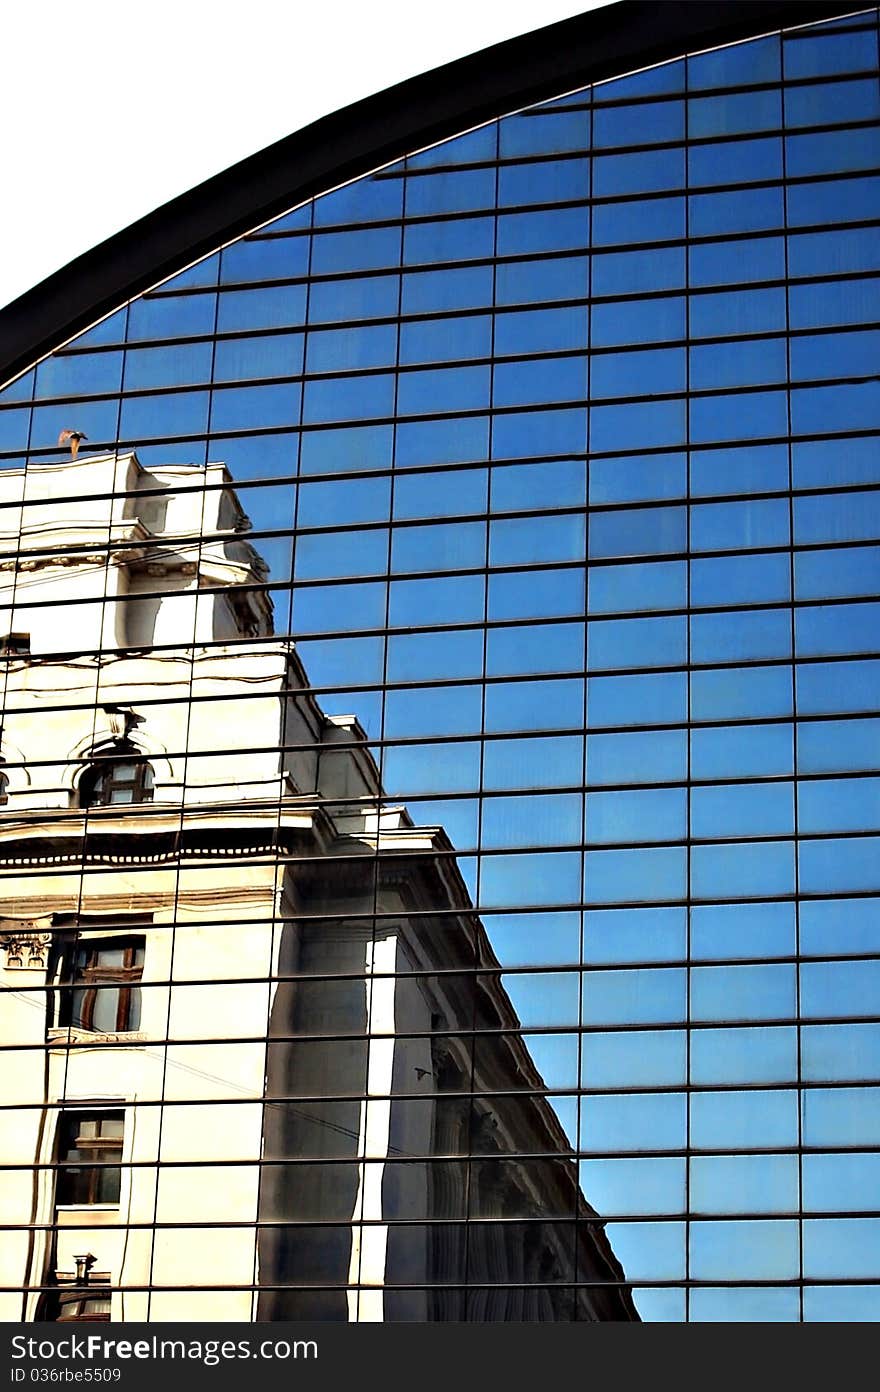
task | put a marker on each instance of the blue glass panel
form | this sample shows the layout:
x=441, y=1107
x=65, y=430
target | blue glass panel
x=539, y=133
x=737, y=312
x=749, y=809
x=635, y=876
x=652, y=757
x=832, y=152
x=86, y=374
x=747, y=871
x=734, y=693
x=170, y=316
x=743, y=993
x=830, y=253
x=561, y=228
x=735, y=65
x=734, y=113
x=521, y=705
x=625, y=223
x=844, y=686
x=740, y=636
x=460, y=288
x=550, y=181
x=839, y=926
x=744, y=1183
x=365, y=297
x=763, y=1249
x=744, y=1120
x=272, y=307
x=468, y=238
x=653, y=814
x=269, y=258
x=741, y=751
x=439, y=340
x=745, y=1305
x=535, y=540
x=840, y=628
x=441, y=494
x=839, y=200
x=475, y=145
x=249, y=408
x=644, y=373
x=521, y=433
x=462, y=191
x=731, y=263
x=838, y=865
x=636, y=935
x=649, y=699
x=547, y=379
x=755, y=469
x=621, y=643
x=735, y=580
x=652, y=171
x=740, y=526
x=275, y=355
x=363, y=250
x=819, y=54
x=848, y=407
x=419, y=443
x=853, y=355
x=15, y=426
x=837, y=1054
x=641, y=425
x=527, y=282
x=631, y=322
x=746, y=210
x=743, y=1056
x=363, y=397
x=827, y=746
x=176, y=413
x=359, y=448
x=836, y=1247
x=743, y=930
x=739, y=161
x=542, y=648
x=638, y=479
x=617, y=589
x=713, y=366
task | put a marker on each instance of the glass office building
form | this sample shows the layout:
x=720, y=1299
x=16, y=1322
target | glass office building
x=441, y=730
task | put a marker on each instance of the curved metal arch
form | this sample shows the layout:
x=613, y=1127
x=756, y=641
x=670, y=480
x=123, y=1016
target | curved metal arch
x=434, y=106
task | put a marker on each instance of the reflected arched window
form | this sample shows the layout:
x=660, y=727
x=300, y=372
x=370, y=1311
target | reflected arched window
x=125, y=778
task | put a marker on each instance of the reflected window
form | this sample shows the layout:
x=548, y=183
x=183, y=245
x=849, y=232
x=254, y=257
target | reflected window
x=76, y=1307
x=113, y=782
x=89, y=1152
x=100, y=988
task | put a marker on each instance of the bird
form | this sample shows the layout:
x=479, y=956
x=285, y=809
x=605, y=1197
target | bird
x=72, y=438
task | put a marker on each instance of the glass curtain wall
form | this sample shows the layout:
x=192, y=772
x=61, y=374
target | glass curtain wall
x=481, y=775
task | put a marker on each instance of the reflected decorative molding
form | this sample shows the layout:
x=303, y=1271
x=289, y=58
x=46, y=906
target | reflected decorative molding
x=26, y=943
x=60, y=1036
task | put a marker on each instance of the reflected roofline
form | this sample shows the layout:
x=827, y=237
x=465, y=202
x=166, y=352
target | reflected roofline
x=430, y=107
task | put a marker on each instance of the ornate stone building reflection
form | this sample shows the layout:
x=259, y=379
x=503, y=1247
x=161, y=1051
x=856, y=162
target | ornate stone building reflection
x=254, y=970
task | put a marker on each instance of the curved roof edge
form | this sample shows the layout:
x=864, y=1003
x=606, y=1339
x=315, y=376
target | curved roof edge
x=350, y=142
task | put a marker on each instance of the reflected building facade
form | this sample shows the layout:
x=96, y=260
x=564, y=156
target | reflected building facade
x=243, y=960
x=452, y=893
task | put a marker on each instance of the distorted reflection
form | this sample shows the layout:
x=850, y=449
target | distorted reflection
x=277, y=952
x=453, y=892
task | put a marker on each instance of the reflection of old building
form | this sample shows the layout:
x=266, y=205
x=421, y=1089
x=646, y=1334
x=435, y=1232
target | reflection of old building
x=219, y=959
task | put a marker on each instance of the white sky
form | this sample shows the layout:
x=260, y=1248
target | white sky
x=111, y=107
